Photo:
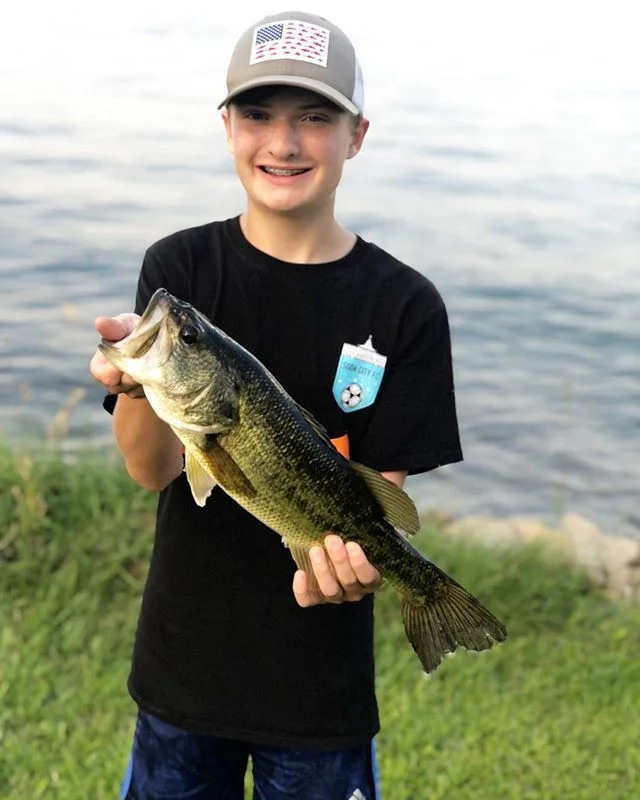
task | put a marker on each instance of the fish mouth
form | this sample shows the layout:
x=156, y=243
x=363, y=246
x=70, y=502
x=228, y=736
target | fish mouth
x=146, y=333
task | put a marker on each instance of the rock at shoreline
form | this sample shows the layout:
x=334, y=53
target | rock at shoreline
x=611, y=562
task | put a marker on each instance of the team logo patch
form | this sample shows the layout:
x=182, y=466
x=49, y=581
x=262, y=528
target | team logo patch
x=358, y=376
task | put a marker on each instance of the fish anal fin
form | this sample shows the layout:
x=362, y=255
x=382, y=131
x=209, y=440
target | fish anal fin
x=398, y=507
x=301, y=556
x=200, y=480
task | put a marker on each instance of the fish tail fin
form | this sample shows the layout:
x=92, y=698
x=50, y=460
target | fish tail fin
x=454, y=618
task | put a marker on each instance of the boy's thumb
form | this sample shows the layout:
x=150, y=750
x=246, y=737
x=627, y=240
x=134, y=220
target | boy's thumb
x=116, y=328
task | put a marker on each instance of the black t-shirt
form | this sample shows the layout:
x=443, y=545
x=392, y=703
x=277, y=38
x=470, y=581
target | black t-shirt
x=363, y=343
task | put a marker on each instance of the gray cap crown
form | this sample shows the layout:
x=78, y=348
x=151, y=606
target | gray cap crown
x=297, y=49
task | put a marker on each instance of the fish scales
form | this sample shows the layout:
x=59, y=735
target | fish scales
x=320, y=492
x=305, y=489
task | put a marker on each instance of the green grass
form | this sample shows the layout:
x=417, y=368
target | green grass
x=553, y=713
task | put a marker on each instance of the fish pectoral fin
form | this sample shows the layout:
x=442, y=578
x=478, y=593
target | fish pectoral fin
x=300, y=555
x=399, y=509
x=228, y=474
x=202, y=483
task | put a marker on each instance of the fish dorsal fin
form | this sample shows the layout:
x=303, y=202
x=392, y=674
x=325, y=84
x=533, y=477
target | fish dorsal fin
x=202, y=483
x=398, y=507
x=227, y=473
x=317, y=426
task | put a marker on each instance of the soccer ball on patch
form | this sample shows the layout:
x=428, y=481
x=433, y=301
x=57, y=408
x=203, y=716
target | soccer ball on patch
x=352, y=395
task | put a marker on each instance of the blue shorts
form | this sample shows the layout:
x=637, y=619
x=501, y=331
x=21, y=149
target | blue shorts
x=172, y=764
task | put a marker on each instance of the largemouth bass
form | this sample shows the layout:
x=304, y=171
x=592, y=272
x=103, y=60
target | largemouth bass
x=242, y=432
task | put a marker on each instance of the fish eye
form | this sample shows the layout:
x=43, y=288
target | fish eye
x=189, y=334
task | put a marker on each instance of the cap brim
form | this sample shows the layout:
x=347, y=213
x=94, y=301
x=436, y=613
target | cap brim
x=292, y=80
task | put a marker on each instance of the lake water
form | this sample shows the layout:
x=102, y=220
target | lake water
x=502, y=161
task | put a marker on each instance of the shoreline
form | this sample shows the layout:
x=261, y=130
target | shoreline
x=610, y=562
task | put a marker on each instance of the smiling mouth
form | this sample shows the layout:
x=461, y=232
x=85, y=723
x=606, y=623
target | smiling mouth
x=284, y=173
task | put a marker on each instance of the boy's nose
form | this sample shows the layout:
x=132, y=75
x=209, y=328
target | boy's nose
x=284, y=142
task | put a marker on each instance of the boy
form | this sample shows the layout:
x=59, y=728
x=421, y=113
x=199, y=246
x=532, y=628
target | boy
x=229, y=662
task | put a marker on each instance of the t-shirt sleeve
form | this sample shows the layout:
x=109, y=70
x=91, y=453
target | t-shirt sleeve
x=413, y=424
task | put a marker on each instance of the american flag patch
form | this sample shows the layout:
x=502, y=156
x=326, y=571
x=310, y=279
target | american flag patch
x=290, y=38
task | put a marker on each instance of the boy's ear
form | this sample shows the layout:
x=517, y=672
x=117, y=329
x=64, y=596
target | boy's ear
x=357, y=137
x=226, y=119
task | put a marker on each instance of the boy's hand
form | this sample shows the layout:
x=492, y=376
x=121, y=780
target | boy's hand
x=343, y=573
x=102, y=370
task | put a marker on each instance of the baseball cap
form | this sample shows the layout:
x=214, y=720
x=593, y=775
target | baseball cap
x=297, y=49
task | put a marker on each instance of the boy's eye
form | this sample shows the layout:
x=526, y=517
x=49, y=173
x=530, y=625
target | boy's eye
x=256, y=115
x=261, y=115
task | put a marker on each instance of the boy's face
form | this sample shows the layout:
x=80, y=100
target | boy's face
x=290, y=147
